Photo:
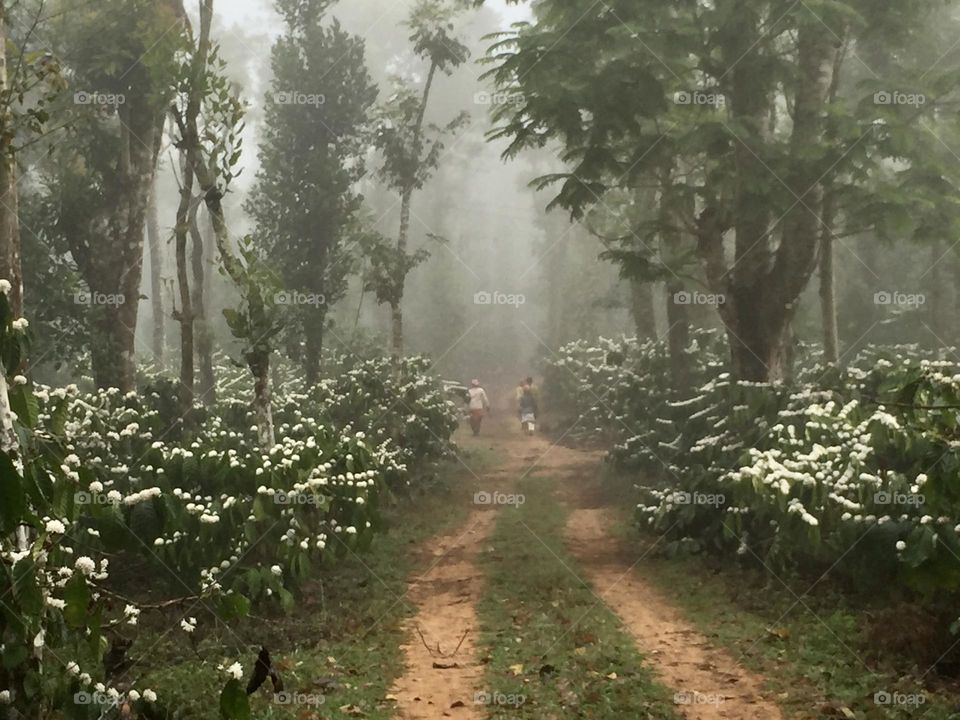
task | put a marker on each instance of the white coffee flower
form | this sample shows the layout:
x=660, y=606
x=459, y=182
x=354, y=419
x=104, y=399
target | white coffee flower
x=85, y=565
x=55, y=527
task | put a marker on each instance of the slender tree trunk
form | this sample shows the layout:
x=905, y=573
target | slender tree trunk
x=156, y=271
x=258, y=355
x=260, y=368
x=678, y=337
x=206, y=389
x=258, y=358
x=313, y=347
x=185, y=313
x=828, y=300
x=828, y=285
x=678, y=315
x=935, y=306
x=641, y=309
x=396, y=308
x=10, y=268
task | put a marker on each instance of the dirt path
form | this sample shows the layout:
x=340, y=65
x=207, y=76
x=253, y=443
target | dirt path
x=443, y=672
x=708, y=683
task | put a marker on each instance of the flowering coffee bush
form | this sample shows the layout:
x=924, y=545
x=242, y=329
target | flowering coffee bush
x=857, y=464
x=101, y=489
x=610, y=390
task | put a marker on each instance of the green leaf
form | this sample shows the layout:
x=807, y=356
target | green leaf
x=25, y=587
x=58, y=419
x=13, y=502
x=234, y=704
x=14, y=655
x=24, y=403
x=234, y=606
x=286, y=599
x=77, y=596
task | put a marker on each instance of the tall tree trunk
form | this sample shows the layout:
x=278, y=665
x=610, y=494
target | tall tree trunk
x=828, y=300
x=10, y=268
x=258, y=354
x=116, y=268
x=206, y=389
x=313, y=346
x=641, y=309
x=406, y=197
x=678, y=316
x=262, y=408
x=678, y=337
x=154, y=242
x=935, y=306
x=752, y=350
x=185, y=313
x=765, y=285
x=828, y=285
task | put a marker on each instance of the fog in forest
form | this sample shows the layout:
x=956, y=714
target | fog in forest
x=487, y=231
x=475, y=359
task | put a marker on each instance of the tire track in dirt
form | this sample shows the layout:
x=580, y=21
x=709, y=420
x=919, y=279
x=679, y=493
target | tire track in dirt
x=443, y=671
x=708, y=682
x=442, y=668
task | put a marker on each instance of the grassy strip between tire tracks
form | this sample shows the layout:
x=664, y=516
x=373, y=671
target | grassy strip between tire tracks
x=551, y=647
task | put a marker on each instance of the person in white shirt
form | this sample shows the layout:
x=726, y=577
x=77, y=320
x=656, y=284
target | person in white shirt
x=478, y=404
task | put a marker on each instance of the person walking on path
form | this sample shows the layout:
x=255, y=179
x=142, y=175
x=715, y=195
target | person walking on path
x=528, y=411
x=529, y=384
x=477, y=404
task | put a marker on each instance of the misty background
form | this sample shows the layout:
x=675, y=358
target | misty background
x=497, y=236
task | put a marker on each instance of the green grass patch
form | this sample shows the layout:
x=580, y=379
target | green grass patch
x=551, y=647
